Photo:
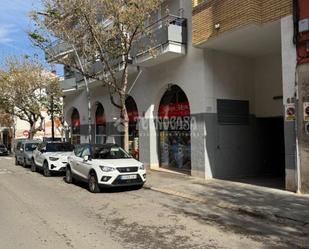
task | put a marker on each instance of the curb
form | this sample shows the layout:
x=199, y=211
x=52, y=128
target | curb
x=236, y=208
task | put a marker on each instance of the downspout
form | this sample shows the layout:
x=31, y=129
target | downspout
x=295, y=41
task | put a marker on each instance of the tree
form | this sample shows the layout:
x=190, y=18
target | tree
x=102, y=33
x=7, y=121
x=23, y=91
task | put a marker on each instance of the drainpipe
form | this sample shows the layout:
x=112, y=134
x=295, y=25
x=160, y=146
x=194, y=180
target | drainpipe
x=295, y=41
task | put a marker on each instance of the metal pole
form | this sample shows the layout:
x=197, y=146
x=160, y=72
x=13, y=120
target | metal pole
x=52, y=118
x=87, y=92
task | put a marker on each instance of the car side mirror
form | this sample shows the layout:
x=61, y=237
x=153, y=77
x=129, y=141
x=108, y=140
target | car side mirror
x=43, y=150
x=86, y=158
x=21, y=149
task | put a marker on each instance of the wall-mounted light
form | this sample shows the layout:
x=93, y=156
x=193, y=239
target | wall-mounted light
x=217, y=26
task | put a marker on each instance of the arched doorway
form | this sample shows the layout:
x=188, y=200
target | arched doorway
x=100, y=125
x=75, y=127
x=174, y=130
x=133, y=127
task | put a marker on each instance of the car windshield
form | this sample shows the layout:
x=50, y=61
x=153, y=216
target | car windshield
x=31, y=146
x=55, y=147
x=109, y=152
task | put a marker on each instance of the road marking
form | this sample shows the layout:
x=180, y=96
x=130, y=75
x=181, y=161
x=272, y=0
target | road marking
x=7, y=158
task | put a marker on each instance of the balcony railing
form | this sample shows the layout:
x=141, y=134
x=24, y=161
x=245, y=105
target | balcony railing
x=57, y=49
x=170, y=30
x=68, y=85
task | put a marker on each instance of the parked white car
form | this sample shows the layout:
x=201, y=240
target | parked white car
x=104, y=166
x=51, y=157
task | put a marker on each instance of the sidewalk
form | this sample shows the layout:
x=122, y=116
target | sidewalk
x=272, y=204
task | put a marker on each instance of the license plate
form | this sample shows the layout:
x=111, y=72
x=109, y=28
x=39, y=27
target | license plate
x=128, y=177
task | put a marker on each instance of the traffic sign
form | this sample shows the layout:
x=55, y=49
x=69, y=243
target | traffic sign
x=290, y=112
x=306, y=111
x=26, y=133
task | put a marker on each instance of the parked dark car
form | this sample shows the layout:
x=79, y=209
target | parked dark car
x=3, y=150
x=24, y=150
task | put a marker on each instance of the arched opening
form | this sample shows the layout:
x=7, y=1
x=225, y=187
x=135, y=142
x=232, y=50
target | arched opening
x=100, y=125
x=174, y=130
x=133, y=127
x=75, y=126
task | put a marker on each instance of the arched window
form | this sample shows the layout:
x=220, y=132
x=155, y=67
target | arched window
x=174, y=128
x=133, y=127
x=100, y=125
x=75, y=125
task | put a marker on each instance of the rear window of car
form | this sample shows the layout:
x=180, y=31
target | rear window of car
x=62, y=147
x=2, y=146
x=31, y=146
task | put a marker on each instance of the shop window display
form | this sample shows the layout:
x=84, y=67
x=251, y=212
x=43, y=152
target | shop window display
x=174, y=128
x=100, y=125
x=133, y=127
x=75, y=124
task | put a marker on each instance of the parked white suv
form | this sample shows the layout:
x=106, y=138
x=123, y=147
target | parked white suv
x=104, y=166
x=51, y=157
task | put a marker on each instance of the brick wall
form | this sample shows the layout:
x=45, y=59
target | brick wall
x=233, y=14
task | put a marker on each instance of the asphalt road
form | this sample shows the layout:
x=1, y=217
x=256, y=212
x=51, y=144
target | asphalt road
x=39, y=212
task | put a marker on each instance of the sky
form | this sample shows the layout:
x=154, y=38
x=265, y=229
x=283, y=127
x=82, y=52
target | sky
x=14, y=23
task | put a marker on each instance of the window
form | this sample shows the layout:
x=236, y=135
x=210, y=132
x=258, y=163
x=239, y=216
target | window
x=100, y=128
x=86, y=151
x=30, y=146
x=18, y=146
x=64, y=147
x=78, y=150
x=109, y=152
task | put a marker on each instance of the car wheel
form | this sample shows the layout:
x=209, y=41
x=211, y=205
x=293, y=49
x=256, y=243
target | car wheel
x=46, y=171
x=93, y=183
x=68, y=175
x=24, y=163
x=16, y=161
x=33, y=166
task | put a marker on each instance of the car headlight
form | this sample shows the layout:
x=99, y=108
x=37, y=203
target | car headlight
x=107, y=169
x=53, y=158
x=141, y=167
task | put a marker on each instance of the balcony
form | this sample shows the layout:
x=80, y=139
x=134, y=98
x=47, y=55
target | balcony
x=57, y=50
x=68, y=85
x=167, y=41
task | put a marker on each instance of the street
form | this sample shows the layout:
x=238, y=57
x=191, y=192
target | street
x=39, y=212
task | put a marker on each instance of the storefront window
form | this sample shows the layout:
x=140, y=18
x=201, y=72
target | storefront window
x=100, y=125
x=75, y=123
x=174, y=128
x=133, y=127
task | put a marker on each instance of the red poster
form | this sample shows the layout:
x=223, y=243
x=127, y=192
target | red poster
x=174, y=110
x=76, y=122
x=100, y=120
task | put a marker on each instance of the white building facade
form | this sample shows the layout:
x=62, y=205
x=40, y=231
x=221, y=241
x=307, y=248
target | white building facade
x=232, y=90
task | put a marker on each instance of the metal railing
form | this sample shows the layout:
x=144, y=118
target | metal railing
x=170, y=28
x=56, y=49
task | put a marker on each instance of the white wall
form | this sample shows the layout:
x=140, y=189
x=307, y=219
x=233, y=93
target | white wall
x=204, y=75
x=228, y=77
x=268, y=84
